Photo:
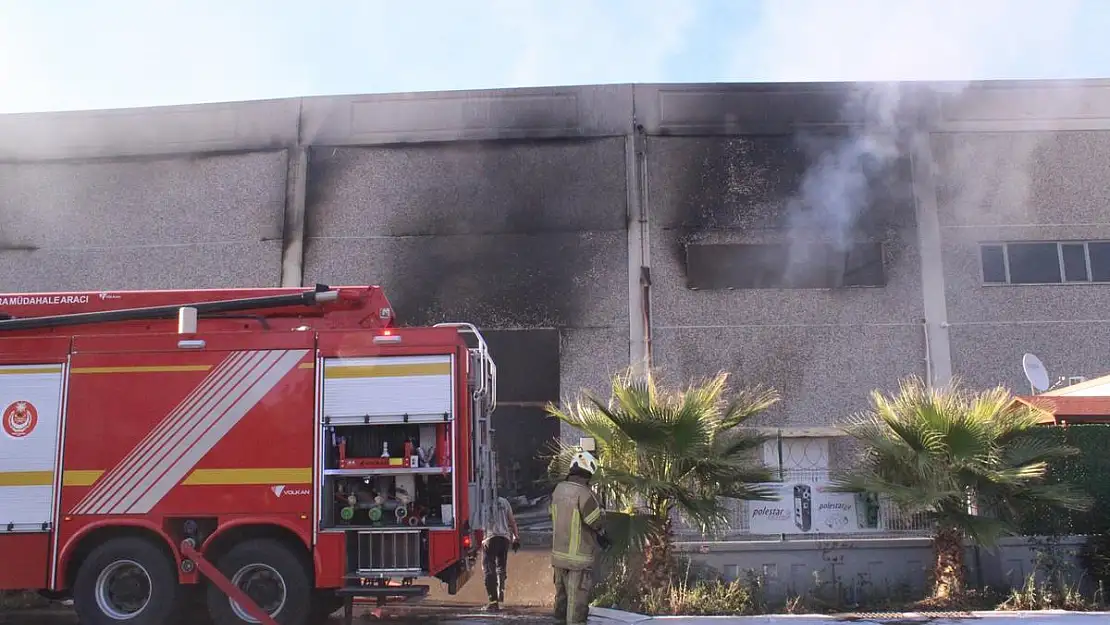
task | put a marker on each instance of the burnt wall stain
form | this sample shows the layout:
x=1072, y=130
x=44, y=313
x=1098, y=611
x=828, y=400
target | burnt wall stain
x=752, y=184
x=513, y=282
x=517, y=237
x=505, y=234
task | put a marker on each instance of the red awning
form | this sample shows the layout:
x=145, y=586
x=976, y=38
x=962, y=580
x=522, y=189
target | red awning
x=1069, y=408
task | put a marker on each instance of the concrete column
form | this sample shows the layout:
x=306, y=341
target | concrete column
x=292, y=250
x=938, y=349
x=639, y=262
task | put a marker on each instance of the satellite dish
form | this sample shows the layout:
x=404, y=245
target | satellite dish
x=1035, y=372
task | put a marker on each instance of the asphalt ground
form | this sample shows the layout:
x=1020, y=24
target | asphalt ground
x=528, y=600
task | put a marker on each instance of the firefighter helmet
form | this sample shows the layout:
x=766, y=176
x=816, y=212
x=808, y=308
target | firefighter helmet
x=584, y=460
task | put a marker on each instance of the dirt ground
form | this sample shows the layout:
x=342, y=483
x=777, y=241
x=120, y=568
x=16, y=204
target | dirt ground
x=527, y=602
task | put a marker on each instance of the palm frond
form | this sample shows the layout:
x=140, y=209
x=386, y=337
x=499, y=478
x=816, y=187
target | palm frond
x=678, y=450
x=926, y=448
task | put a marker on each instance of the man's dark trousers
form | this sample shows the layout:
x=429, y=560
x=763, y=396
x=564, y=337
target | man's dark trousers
x=494, y=562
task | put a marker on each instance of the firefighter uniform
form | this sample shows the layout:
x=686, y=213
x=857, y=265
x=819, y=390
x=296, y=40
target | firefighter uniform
x=577, y=532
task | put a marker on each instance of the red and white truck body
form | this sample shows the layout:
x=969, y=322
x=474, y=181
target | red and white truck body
x=213, y=427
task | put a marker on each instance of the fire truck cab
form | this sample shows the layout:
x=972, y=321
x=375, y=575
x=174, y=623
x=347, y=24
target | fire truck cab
x=262, y=454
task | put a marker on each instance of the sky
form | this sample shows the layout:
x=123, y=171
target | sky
x=91, y=54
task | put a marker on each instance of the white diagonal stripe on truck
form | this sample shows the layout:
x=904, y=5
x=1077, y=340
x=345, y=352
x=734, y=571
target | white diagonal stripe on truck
x=272, y=372
x=125, y=471
x=128, y=470
x=160, y=457
x=214, y=408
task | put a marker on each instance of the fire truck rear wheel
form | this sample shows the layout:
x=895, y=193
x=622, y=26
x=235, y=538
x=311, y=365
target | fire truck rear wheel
x=126, y=580
x=272, y=575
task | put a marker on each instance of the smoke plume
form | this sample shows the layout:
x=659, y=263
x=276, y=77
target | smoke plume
x=909, y=40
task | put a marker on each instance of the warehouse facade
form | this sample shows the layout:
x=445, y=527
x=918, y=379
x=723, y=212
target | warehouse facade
x=825, y=239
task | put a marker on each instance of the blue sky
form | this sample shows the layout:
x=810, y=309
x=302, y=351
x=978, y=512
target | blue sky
x=82, y=54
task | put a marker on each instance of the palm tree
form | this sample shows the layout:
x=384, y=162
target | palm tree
x=666, y=452
x=967, y=462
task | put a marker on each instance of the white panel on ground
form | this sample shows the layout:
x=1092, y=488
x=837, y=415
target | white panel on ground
x=30, y=410
x=387, y=387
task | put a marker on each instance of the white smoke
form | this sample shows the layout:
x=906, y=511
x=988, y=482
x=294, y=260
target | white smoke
x=906, y=40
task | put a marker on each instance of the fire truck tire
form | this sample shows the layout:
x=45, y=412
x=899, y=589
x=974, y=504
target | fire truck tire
x=126, y=580
x=270, y=566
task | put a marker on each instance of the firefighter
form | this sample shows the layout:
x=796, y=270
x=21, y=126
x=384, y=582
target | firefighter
x=576, y=539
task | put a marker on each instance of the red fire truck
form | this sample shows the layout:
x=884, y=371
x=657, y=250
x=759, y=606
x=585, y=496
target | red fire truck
x=267, y=454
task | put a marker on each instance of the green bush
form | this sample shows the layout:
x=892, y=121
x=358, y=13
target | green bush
x=1095, y=558
x=1087, y=471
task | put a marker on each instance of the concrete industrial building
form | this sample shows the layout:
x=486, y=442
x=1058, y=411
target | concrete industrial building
x=826, y=239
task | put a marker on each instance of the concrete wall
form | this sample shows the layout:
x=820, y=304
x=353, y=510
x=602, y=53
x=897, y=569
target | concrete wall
x=1034, y=186
x=881, y=568
x=193, y=221
x=542, y=215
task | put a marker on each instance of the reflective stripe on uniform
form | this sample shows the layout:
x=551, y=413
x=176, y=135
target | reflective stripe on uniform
x=593, y=516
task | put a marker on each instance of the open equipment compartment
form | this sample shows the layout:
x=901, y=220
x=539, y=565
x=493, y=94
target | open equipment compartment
x=387, y=475
x=386, y=459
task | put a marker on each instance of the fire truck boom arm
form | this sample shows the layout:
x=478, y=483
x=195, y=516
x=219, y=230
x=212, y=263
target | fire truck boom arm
x=39, y=311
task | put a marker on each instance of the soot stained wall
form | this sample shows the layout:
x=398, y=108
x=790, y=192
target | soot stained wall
x=501, y=234
x=1034, y=186
x=525, y=239
x=823, y=349
x=179, y=222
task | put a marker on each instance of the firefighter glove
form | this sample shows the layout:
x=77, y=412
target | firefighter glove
x=603, y=541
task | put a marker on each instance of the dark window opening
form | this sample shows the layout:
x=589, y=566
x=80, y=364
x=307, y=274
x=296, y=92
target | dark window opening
x=1100, y=261
x=778, y=266
x=1045, y=262
x=1033, y=263
x=1075, y=262
x=994, y=264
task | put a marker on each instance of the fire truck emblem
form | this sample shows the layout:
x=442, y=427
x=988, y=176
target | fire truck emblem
x=20, y=419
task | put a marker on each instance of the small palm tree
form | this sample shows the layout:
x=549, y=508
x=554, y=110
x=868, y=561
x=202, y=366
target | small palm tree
x=965, y=461
x=667, y=452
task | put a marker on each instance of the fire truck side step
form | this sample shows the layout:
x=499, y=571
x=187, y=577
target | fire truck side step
x=405, y=592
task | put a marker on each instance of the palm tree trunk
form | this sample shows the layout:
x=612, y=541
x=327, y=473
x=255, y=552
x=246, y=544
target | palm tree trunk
x=948, y=566
x=658, y=564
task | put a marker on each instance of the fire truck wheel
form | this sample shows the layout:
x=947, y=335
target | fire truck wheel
x=126, y=580
x=270, y=574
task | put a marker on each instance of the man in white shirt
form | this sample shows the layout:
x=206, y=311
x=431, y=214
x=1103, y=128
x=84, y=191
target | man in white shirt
x=500, y=532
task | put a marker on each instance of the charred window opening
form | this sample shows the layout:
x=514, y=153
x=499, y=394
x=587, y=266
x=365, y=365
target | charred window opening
x=528, y=370
x=784, y=266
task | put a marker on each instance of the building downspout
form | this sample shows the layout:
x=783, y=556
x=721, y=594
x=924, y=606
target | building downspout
x=639, y=263
x=645, y=243
x=928, y=352
x=293, y=223
x=938, y=353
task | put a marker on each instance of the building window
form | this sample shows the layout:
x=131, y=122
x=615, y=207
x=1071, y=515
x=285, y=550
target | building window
x=1045, y=262
x=777, y=266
